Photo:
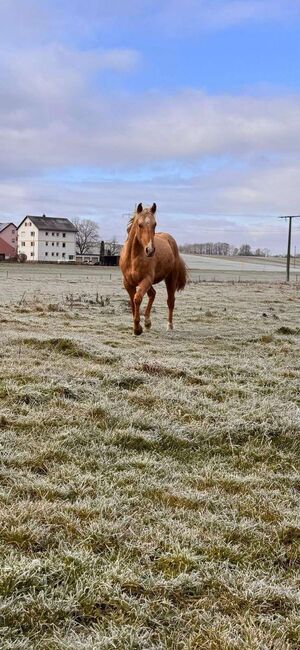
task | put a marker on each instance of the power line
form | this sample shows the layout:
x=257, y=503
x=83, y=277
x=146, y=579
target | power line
x=288, y=256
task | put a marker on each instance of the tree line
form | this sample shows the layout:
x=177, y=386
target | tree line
x=222, y=248
x=88, y=236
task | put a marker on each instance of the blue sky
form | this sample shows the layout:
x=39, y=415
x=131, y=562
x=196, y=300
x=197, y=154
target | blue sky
x=194, y=105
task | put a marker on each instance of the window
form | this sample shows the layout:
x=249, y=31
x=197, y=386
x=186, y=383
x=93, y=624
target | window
x=46, y=243
x=12, y=232
x=23, y=232
x=46, y=234
x=63, y=254
x=52, y=254
x=64, y=234
x=22, y=243
x=32, y=243
x=57, y=254
x=12, y=241
x=32, y=234
x=57, y=234
x=31, y=254
x=71, y=257
x=57, y=243
x=46, y=254
x=52, y=234
x=53, y=243
x=64, y=245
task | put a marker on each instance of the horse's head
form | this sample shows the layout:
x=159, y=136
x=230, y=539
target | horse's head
x=145, y=228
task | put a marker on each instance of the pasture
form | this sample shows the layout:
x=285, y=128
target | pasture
x=149, y=485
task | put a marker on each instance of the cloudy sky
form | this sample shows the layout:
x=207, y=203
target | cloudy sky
x=194, y=104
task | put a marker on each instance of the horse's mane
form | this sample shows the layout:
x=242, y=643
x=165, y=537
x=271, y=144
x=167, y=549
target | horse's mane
x=130, y=222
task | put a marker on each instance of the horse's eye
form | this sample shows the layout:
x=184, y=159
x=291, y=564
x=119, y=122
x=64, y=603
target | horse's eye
x=155, y=225
x=140, y=225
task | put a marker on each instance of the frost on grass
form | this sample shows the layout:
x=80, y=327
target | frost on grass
x=149, y=488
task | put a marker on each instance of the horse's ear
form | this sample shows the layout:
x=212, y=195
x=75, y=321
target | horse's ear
x=139, y=208
x=153, y=209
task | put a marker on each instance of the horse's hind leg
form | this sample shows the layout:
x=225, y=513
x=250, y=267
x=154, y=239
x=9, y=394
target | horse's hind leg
x=170, y=284
x=151, y=293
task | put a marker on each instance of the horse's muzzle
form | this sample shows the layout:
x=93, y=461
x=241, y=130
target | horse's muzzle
x=149, y=252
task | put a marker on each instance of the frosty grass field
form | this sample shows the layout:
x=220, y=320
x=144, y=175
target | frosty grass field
x=149, y=486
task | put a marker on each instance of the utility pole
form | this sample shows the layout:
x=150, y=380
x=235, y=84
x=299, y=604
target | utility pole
x=288, y=255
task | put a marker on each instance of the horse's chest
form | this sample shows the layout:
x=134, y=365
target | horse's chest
x=139, y=271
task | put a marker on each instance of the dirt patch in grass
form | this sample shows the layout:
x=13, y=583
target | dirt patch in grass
x=286, y=331
x=156, y=369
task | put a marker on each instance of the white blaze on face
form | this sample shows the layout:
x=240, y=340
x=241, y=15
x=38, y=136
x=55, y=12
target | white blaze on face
x=149, y=247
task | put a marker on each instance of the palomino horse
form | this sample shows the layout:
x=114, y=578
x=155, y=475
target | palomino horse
x=146, y=259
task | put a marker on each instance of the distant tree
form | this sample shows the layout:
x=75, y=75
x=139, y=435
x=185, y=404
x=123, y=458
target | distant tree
x=113, y=246
x=245, y=249
x=266, y=252
x=208, y=248
x=87, y=234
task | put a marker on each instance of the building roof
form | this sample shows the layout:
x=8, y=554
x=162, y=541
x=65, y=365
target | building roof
x=5, y=225
x=52, y=223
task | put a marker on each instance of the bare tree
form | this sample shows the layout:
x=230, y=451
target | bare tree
x=260, y=252
x=87, y=234
x=113, y=246
x=245, y=249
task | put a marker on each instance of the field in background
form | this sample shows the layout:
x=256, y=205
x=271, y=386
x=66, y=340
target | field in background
x=149, y=486
x=19, y=279
x=240, y=269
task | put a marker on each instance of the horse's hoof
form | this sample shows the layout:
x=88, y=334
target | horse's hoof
x=138, y=330
x=170, y=327
x=147, y=323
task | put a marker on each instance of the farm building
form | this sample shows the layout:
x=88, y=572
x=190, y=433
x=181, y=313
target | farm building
x=103, y=253
x=47, y=239
x=8, y=240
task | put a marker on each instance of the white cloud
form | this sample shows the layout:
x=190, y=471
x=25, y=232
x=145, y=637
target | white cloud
x=54, y=116
x=53, y=119
x=193, y=210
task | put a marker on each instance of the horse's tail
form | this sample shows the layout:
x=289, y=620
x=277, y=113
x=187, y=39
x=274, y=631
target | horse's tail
x=182, y=274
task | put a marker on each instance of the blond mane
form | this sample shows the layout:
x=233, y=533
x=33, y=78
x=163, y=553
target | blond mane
x=130, y=222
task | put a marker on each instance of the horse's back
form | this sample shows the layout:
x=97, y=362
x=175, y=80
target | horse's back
x=165, y=236
x=178, y=269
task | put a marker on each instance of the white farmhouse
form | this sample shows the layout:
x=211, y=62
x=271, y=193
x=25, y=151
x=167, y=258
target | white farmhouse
x=47, y=239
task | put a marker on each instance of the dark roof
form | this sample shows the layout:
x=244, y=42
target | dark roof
x=52, y=223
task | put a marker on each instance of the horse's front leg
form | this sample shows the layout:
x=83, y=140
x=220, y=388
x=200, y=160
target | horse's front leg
x=131, y=291
x=143, y=287
x=151, y=295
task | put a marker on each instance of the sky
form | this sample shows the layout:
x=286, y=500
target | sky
x=193, y=104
